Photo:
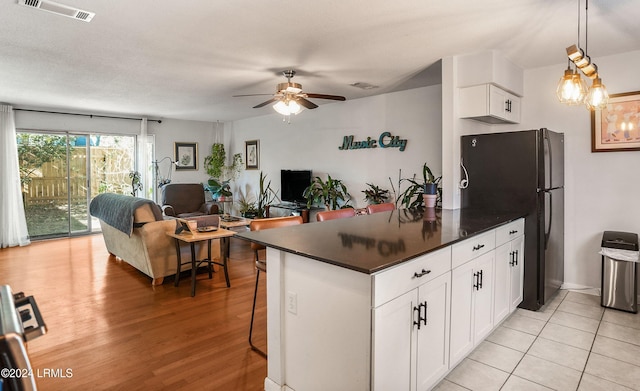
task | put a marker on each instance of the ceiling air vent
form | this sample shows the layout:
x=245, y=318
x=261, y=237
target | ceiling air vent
x=59, y=9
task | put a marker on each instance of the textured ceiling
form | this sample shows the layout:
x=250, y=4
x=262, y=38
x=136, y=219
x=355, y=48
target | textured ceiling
x=185, y=59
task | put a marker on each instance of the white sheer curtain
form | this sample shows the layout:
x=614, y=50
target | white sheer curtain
x=13, y=224
x=143, y=159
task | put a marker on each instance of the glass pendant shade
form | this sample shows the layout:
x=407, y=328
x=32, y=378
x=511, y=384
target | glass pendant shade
x=571, y=88
x=597, y=97
x=287, y=107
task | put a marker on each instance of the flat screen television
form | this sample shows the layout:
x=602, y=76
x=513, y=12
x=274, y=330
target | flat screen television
x=292, y=185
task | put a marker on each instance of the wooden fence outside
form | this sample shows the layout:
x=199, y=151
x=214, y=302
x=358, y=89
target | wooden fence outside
x=109, y=167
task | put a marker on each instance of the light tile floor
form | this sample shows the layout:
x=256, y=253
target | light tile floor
x=572, y=343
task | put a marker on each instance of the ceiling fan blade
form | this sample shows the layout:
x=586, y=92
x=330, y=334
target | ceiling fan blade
x=266, y=103
x=307, y=104
x=323, y=96
x=240, y=96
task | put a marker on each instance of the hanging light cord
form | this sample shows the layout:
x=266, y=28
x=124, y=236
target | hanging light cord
x=586, y=27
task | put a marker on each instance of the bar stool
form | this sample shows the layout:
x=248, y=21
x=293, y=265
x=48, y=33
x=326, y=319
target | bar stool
x=384, y=207
x=261, y=265
x=335, y=214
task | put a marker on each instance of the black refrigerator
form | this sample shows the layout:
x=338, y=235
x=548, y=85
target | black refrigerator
x=522, y=171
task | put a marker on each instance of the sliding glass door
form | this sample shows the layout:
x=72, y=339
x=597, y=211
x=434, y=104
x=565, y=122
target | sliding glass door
x=61, y=172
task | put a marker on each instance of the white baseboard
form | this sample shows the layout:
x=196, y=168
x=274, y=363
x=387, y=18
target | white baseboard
x=581, y=288
x=270, y=385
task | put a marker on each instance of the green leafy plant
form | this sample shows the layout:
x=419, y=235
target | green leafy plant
x=136, y=185
x=328, y=193
x=266, y=196
x=411, y=197
x=375, y=194
x=218, y=188
x=247, y=208
x=215, y=163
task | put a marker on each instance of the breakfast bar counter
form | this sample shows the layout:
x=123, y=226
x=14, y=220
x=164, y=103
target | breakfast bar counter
x=371, y=243
x=387, y=301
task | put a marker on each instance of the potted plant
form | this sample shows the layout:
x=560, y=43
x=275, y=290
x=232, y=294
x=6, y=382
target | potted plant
x=328, y=193
x=265, y=196
x=375, y=195
x=220, y=174
x=219, y=190
x=136, y=184
x=419, y=192
x=247, y=208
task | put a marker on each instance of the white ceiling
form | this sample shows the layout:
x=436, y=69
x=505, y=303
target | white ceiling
x=185, y=59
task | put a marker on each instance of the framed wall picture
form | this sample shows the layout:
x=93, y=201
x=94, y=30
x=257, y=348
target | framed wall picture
x=186, y=156
x=616, y=127
x=252, y=154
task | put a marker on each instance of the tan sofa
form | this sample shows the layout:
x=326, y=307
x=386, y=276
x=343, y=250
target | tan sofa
x=148, y=248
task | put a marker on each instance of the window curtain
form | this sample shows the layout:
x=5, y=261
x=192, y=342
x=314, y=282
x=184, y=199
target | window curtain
x=143, y=160
x=13, y=223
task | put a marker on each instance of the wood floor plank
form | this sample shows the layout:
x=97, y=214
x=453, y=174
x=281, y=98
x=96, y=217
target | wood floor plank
x=117, y=332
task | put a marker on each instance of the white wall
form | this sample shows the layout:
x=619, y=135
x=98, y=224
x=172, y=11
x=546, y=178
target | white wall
x=312, y=139
x=601, y=189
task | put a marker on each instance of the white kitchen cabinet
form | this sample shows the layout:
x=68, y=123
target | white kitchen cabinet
x=471, y=305
x=509, y=261
x=489, y=103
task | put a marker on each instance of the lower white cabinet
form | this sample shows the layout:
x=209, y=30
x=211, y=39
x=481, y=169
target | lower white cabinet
x=411, y=338
x=509, y=270
x=471, y=305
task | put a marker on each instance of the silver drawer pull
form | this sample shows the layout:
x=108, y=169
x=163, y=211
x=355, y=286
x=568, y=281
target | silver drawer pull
x=423, y=273
x=478, y=247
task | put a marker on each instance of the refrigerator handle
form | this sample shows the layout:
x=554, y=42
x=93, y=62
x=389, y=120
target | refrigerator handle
x=549, y=172
x=547, y=228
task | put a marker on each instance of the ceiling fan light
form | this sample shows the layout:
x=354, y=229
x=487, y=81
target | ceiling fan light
x=282, y=108
x=294, y=107
x=597, y=97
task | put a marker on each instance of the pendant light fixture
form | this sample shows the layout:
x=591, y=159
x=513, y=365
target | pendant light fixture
x=571, y=88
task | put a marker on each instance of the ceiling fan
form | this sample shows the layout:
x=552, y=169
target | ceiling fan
x=289, y=97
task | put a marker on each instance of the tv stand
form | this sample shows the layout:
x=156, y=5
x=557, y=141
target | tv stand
x=295, y=208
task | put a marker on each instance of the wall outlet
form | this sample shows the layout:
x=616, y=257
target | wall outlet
x=292, y=302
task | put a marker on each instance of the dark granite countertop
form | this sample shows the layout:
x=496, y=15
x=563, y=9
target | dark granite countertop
x=374, y=242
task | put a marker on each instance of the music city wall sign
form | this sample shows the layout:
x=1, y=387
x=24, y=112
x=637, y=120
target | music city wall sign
x=385, y=140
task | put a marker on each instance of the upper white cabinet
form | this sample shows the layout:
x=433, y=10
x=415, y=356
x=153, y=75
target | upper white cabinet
x=489, y=103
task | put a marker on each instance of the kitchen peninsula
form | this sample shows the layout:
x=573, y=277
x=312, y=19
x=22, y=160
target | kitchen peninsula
x=366, y=302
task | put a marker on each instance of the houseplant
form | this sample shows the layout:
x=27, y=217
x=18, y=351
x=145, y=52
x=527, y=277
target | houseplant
x=419, y=191
x=266, y=196
x=247, y=208
x=375, y=194
x=221, y=175
x=328, y=193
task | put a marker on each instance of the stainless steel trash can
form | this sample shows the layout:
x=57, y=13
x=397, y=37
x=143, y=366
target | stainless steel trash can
x=619, y=274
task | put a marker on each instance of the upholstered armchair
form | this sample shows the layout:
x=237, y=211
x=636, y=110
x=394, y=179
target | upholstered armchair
x=186, y=200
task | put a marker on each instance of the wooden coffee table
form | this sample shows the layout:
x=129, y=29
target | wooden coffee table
x=192, y=238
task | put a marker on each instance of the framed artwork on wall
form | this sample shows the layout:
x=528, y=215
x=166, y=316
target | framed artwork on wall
x=252, y=154
x=616, y=127
x=186, y=156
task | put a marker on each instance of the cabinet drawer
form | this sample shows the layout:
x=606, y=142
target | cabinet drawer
x=465, y=251
x=391, y=283
x=509, y=231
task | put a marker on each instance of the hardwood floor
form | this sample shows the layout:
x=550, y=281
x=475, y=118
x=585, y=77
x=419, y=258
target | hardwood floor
x=114, y=331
